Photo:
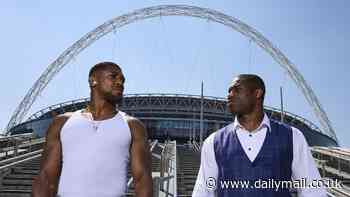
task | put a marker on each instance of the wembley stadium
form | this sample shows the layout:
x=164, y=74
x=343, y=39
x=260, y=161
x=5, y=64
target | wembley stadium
x=174, y=117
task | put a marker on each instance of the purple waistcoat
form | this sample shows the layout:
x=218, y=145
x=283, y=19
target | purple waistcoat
x=273, y=163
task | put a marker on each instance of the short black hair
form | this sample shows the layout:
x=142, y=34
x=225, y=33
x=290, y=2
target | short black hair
x=254, y=81
x=102, y=66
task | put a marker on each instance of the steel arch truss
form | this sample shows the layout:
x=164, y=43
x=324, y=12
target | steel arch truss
x=172, y=10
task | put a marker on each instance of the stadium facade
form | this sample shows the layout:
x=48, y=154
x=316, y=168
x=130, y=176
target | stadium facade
x=175, y=117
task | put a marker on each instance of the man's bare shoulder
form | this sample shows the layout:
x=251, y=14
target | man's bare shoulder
x=133, y=120
x=59, y=120
x=64, y=116
x=137, y=128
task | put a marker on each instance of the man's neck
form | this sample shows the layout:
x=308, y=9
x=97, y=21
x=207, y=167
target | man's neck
x=101, y=110
x=251, y=121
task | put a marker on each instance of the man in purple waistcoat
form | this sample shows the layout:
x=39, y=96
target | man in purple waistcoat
x=255, y=156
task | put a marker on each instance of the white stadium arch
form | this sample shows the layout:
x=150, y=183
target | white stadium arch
x=172, y=10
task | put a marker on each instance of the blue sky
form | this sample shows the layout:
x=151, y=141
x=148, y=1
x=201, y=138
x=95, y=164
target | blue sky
x=174, y=54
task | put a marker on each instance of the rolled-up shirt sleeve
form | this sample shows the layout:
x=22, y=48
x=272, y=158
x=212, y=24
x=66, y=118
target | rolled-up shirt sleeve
x=206, y=182
x=304, y=167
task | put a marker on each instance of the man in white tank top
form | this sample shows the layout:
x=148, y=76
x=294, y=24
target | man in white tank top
x=87, y=152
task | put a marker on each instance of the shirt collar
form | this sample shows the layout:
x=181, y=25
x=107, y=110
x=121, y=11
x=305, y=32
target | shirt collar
x=264, y=123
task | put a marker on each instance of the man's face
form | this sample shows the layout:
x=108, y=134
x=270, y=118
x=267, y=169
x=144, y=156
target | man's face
x=241, y=98
x=110, y=84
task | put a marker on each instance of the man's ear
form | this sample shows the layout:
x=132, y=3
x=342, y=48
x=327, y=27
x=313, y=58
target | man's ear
x=92, y=82
x=259, y=93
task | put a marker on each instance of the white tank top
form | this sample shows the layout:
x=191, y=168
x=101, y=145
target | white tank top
x=95, y=156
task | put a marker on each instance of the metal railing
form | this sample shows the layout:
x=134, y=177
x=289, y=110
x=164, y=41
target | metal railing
x=152, y=146
x=18, y=149
x=166, y=183
x=337, y=192
x=333, y=162
x=195, y=145
x=13, y=146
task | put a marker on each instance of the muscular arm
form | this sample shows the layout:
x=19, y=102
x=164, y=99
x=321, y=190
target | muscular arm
x=46, y=183
x=140, y=159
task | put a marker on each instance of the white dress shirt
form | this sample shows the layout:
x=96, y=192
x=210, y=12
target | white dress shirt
x=303, y=165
